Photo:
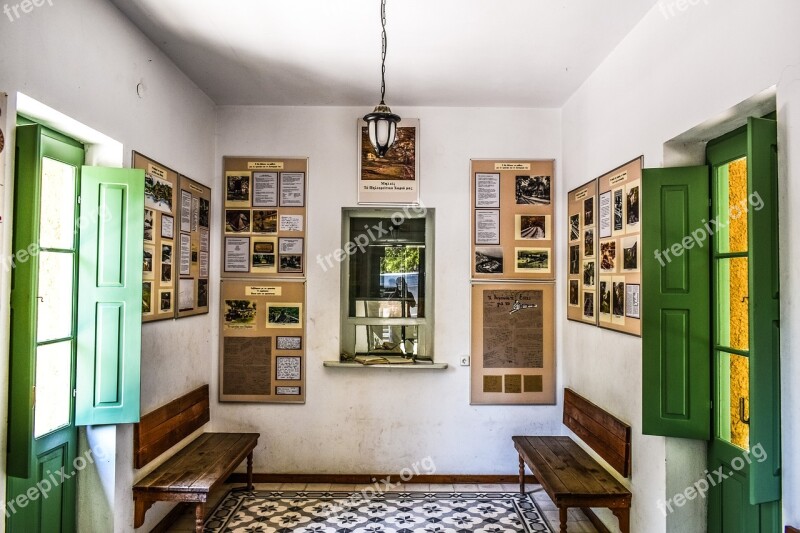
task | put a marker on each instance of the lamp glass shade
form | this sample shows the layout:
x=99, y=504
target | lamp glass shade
x=382, y=128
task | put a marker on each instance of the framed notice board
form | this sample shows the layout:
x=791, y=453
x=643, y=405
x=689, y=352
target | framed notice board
x=264, y=217
x=512, y=219
x=159, y=263
x=619, y=248
x=193, y=248
x=513, y=343
x=262, y=341
x=582, y=253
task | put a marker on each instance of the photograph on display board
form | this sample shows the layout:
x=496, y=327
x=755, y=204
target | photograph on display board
x=588, y=305
x=532, y=227
x=165, y=300
x=489, y=260
x=632, y=206
x=605, y=299
x=588, y=242
x=588, y=211
x=237, y=189
x=619, y=211
x=399, y=163
x=630, y=254
x=532, y=190
x=202, y=293
x=588, y=274
x=237, y=221
x=203, y=215
x=240, y=314
x=532, y=260
x=148, y=225
x=574, y=228
x=284, y=315
x=157, y=194
x=147, y=298
x=265, y=221
x=574, y=260
x=608, y=256
x=574, y=293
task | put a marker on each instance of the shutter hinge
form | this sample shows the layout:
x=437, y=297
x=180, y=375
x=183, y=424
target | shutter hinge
x=74, y=393
x=79, y=199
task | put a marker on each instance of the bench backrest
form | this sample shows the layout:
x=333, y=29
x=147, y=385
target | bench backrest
x=159, y=430
x=603, y=432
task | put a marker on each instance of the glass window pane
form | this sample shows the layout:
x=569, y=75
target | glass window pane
x=57, y=225
x=53, y=387
x=55, y=296
x=732, y=206
x=734, y=399
x=389, y=269
x=733, y=303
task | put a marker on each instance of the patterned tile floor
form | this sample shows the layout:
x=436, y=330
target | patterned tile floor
x=578, y=523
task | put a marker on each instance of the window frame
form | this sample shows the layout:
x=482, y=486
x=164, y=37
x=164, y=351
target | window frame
x=425, y=324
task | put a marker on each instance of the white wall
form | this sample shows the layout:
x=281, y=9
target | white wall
x=677, y=69
x=378, y=420
x=85, y=59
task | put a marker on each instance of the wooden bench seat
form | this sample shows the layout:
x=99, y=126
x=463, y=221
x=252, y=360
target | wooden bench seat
x=569, y=475
x=193, y=472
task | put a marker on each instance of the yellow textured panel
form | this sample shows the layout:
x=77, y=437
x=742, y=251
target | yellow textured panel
x=740, y=388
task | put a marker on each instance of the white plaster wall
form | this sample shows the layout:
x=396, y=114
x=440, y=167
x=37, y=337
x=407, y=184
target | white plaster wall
x=377, y=420
x=676, y=69
x=84, y=58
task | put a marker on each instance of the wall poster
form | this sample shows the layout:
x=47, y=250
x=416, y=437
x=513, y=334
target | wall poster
x=193, y=242
x=394, y=178
x=512, y=219
x=264, y=204
x=618, y=261
x=513, y=344
x=587, y=218
x=159, y=264
x=262, y=325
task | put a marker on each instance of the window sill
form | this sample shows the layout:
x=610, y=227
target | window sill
x=409, y=366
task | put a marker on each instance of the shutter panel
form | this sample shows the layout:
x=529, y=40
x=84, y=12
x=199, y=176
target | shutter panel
x=23, y=308
x=762, y=162
x=676, y=349
x=110, y=296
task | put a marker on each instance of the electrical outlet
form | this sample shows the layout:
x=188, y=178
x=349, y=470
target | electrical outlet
x=464, y=360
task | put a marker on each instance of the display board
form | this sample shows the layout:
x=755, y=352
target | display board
x=159, y=263
x=619, y=248
x=582, y=253
x=193, y=248
x=512, y=219
x=264, y=217
x=262, y=341
x=513, y=343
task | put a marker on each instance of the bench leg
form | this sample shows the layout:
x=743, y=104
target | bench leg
x=521, y=475
x=199, y=517
x=562, y=519
x=624, y=517
x=250, y=471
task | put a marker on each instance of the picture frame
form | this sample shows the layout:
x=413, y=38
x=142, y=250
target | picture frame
x=394, y=178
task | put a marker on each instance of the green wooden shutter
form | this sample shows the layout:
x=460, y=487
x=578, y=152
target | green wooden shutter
x=676, y=343
x=110, y=295
x=23, y=308
x=762, y=162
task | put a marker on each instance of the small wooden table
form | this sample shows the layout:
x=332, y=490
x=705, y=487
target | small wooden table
x=192, y=473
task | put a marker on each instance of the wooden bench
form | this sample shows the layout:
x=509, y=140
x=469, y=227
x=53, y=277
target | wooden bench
x=569, y=475
x=192, y=473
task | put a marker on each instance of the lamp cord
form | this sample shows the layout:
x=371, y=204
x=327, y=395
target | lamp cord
x=383, y=50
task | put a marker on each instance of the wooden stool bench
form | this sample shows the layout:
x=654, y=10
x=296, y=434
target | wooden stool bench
x=569, y=475
x=192, y=473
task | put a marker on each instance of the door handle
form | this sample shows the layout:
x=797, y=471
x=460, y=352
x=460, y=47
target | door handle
x=741, y=412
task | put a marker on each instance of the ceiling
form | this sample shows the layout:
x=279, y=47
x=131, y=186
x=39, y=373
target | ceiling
x=470, y=53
